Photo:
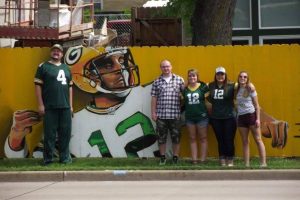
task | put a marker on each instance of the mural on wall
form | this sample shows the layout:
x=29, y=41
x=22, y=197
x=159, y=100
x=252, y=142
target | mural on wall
x=115, y=104
x=275, y=129
x=119, y=123
x=112, y=115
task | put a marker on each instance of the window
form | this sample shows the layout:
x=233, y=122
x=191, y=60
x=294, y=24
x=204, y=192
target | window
x=242, y=15
x=242, y=40
x=97, y=6
x=279, y=39
x=279, y=13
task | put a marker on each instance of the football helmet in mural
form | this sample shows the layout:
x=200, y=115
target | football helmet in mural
x=107, y=77
x=113, y=71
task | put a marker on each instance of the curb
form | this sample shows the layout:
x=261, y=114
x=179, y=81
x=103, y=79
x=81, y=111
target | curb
x=148, y=175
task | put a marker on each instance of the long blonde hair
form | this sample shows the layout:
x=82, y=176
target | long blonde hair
x=248, y=84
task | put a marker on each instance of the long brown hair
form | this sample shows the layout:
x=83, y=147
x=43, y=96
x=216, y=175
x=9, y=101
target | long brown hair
x=225, y=81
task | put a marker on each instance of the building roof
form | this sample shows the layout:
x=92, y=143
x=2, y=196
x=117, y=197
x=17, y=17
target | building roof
x=156, y=3
x=121, y=5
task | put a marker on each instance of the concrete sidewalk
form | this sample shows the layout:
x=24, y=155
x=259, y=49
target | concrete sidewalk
x=149, y=175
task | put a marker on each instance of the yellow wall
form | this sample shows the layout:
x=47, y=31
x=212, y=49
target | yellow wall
x=274, y=70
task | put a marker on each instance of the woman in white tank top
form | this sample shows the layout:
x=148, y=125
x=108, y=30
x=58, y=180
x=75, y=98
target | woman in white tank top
x=249, y=118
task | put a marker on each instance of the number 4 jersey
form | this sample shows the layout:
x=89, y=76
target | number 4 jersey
x=55, y=81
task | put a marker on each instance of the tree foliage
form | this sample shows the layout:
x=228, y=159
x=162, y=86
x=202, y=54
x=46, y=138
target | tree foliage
x=210, y=20
x=181, y=8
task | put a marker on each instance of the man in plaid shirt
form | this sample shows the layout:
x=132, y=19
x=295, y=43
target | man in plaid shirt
x=165, y=109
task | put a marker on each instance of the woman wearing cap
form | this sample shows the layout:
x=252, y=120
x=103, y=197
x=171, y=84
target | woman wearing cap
x=196, y=114
x=222, y=116
x=249, y=118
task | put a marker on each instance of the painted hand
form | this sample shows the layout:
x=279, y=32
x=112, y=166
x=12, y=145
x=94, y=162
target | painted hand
x=23, y=120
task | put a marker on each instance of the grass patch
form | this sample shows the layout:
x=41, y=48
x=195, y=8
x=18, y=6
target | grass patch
x=91, y=164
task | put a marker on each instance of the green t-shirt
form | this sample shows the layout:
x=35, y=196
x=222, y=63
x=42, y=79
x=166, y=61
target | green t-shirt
x=194, y=102
x=55, y=82
x=222, y=100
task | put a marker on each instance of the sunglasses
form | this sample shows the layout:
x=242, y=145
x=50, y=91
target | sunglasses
x=243, y=76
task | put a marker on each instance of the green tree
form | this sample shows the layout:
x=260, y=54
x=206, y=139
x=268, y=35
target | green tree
x=210, y=20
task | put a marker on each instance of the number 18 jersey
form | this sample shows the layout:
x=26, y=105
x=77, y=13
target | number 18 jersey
x=194, y=102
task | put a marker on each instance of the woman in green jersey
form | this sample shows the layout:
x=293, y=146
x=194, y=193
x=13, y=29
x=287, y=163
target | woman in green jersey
x=196, y=114
x=222, y=117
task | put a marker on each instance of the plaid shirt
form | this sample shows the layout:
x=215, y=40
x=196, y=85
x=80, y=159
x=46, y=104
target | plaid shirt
x=168, y=97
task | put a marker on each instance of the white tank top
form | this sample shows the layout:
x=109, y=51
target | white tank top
x=244, y=103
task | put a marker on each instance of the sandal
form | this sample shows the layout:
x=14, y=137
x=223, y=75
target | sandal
x=194, y=162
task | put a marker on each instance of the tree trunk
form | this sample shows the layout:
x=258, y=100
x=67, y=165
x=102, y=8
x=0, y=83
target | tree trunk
x=212, y=22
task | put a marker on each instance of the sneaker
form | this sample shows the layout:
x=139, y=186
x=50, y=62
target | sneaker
x=163, y=160
x=66, y=162
x=194, y=162
x=263, y=166
x=175, y=160
x=202, y=162
x=230, y=163
x=223, y=162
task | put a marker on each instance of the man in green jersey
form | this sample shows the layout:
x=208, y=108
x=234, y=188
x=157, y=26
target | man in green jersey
x=53, y=88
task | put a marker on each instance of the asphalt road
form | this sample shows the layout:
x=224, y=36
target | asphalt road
x=156, y=190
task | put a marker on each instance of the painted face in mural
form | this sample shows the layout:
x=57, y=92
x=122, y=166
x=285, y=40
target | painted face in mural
x=113, y=71
x=107, y=78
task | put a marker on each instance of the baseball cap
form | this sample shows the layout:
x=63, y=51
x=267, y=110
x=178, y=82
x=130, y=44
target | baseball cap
x=220, y=70
x=57, y=46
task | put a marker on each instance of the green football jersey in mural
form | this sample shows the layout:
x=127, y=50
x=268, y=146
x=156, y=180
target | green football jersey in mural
x=55, y=82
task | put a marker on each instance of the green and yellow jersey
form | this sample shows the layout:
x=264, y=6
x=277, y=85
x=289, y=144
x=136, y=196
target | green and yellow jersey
x=194, y=102
x=55, y=82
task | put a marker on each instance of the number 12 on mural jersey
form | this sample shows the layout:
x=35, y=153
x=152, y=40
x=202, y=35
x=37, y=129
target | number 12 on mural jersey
x=219, y=94
x=96, y=137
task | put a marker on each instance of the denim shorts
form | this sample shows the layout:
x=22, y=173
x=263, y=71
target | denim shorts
x=201, y=123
